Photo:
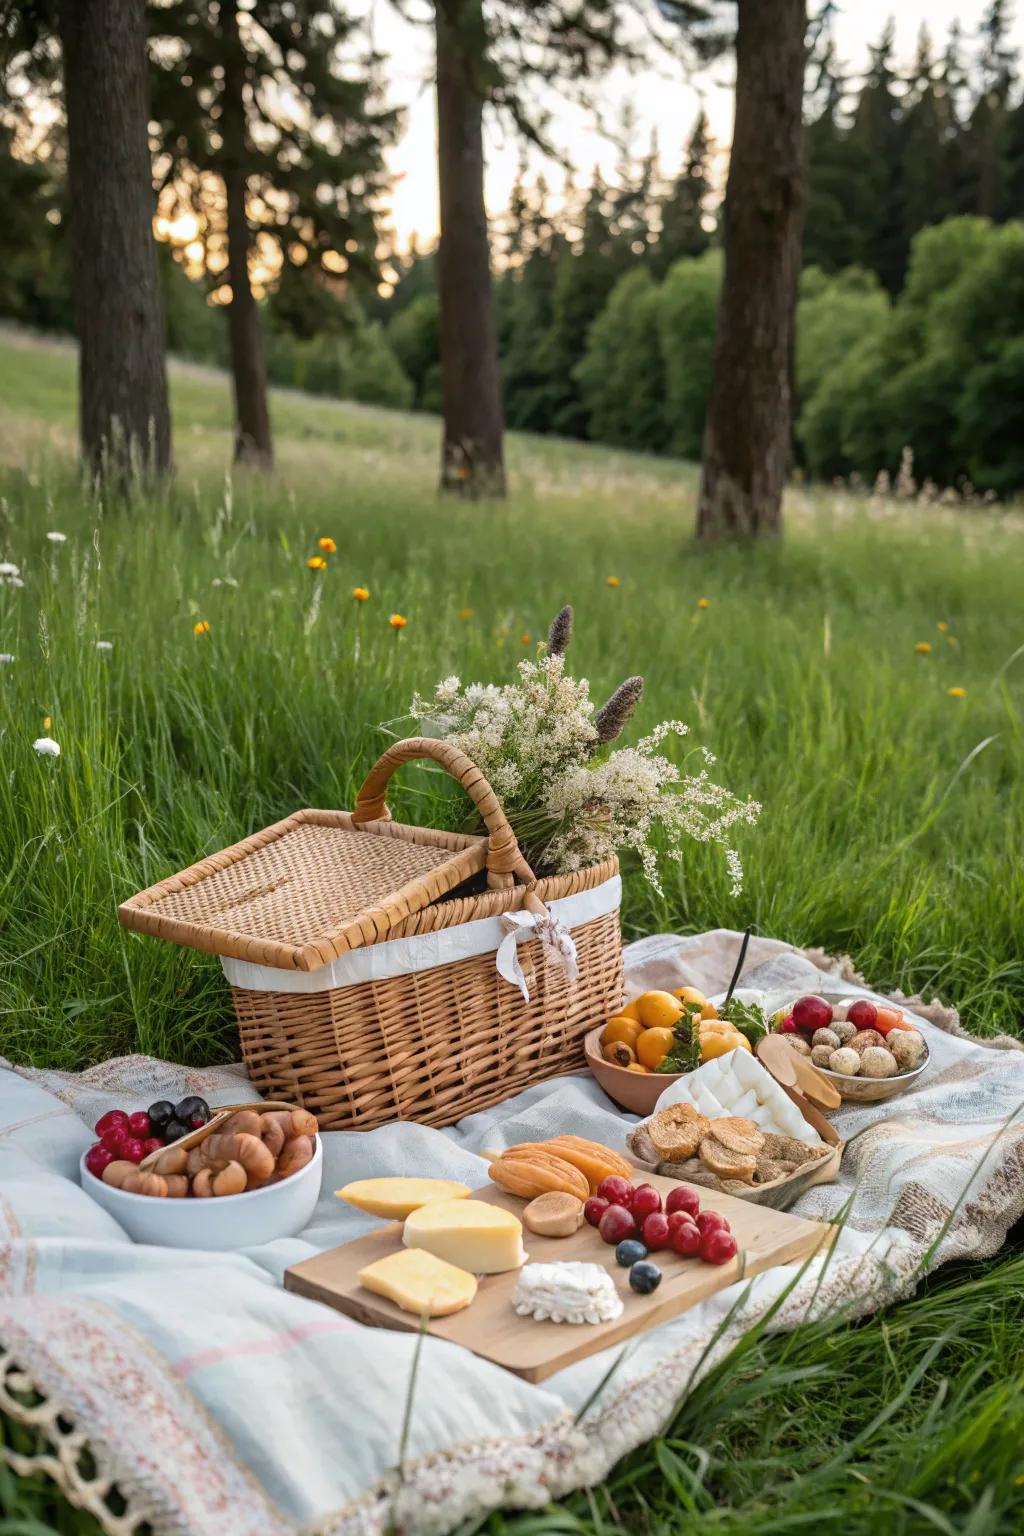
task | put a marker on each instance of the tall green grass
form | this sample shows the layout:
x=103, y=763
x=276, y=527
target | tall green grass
x=891, y=827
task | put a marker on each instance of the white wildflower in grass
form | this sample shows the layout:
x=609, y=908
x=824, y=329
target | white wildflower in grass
x=104, y=645
x=6, y=658
x=571, y=801
x=10, y=574
x=57, y=538
x=46, y=747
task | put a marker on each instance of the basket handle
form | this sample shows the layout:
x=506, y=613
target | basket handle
x=505, y=863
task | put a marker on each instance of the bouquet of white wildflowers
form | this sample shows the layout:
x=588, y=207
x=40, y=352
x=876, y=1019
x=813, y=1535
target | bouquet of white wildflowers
x=571, y=799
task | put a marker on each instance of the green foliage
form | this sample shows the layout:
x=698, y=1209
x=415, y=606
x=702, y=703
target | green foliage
x=689, y=304
x=940, y=372
x=414, y=335
x=621, y=375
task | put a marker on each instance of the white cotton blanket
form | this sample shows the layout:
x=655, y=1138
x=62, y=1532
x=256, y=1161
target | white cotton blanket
x=216, y=1401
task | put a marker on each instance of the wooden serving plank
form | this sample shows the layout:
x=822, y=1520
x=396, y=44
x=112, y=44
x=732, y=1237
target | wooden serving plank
x=492, y=1329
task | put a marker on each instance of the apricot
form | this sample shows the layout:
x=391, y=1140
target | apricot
x=621, y=1029
x=630, y=1011
x=653, y=1046
x=619, y=1053
x=694, y=996
x=636, y=1066
x=659, y=1010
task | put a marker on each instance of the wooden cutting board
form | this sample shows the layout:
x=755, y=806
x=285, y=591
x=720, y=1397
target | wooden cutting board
x=491, y=1328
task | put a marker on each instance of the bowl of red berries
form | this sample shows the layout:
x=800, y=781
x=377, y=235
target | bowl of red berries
x=635, y=1221
x=183, y=1175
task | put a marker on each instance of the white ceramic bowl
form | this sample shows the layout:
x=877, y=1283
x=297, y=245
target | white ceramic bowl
x=224, y=1222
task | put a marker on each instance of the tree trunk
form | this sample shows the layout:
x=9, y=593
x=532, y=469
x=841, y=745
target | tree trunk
x=124, y=421
x=747, y=435
x=253, y=442
x=472, y=450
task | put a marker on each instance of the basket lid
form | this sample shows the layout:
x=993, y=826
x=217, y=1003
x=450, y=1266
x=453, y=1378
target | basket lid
x=304, y=891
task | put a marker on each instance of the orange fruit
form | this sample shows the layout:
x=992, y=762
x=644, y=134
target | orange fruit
x=636, y=1066
x=888, y=1018
x=621, y=1029
x=658, y=1010
x=653, y=1046
x=630, y=1011
x=693, y=995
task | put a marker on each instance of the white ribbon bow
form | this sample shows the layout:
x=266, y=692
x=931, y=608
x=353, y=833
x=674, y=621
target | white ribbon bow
x=555, y=937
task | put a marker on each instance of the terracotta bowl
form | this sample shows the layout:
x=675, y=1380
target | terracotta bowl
x=869, y=1090
x=636, y=1091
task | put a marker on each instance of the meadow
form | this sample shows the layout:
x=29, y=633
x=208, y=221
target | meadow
x=891, y=826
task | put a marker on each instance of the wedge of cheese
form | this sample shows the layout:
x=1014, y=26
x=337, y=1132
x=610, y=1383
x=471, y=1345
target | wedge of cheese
x=418, y=1282
x=394, y=1199
x=471, y=1234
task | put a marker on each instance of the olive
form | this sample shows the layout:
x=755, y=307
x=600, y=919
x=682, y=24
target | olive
x=645, y=1277
x=159, y=1114
x=192, y=1111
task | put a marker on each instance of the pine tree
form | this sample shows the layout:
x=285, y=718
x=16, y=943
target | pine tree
x=875, y=136
x=259, y=115
x=928, y=134
x=985, y=141
x=685, y=213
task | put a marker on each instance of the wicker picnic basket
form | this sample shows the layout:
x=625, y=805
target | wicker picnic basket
x=362, y=955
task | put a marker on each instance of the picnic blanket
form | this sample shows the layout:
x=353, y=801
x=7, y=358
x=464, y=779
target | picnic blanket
x=215, y=1401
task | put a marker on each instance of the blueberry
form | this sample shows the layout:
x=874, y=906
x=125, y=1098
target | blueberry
x=629, y=1251
x=644, y=1277
x=159, y=1114
x=192, y=1111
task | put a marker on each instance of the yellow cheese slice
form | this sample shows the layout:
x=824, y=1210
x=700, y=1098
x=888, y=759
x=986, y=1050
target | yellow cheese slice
x=394, y=1199
x=470, y=1233
x=418, y=1282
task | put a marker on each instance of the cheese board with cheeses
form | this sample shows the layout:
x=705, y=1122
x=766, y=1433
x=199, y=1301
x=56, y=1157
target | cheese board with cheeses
x=584, y=1275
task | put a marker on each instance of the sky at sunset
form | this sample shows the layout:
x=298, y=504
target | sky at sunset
x=664, y=97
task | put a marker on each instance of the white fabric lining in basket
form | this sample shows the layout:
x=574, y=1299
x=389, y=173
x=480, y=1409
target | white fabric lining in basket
x=421, y=951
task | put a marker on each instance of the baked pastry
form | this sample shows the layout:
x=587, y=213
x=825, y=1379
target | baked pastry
x=677, y=1132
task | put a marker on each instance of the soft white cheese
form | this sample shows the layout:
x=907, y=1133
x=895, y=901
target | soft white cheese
x=567, y=1293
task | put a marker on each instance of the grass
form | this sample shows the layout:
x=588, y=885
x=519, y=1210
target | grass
x=891, y=826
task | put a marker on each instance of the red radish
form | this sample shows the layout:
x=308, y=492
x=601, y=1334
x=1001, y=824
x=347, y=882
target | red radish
x=711, y=1221
x=109, y=1120
x=645, y=1202
x=616, y=1191
x=682, y=1198
x=97, y=1158
x=862, y=1014
x=151, y=1144
x=132, y=1150
x=654, y=1230
x=615, y=1224
x=685, y=1238
x=788, y=1025
x=594, y=1209
x=138, y=1125
x=718, y=1247
x=812, y=1013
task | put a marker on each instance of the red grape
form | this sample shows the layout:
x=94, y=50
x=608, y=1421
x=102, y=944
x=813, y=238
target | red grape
x=645, y=1201
x=138, y=1125
x=616, y=1191
x=615, y=1224
x=718, y=1247
x=711, y=1221
x=682, y=1198
x=151, y=1144
x=132, y=1150
x=109, y=1120
x=114, y=1138
x=594, y=1209
x=97, y=1158
x=654, y=1230
x=685, y=1237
